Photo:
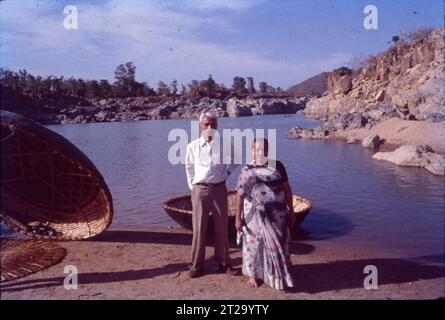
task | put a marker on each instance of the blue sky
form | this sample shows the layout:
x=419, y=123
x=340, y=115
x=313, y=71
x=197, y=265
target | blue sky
x=280, y=41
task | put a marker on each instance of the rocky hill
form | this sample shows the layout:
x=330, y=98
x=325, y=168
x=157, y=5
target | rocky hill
x=313, y=87
x=396, y=99
x=407, y=79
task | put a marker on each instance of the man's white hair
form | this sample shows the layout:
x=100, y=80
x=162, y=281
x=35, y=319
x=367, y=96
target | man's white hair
x=207, y=114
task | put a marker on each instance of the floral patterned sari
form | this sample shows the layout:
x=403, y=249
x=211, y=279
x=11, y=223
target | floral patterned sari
x=266, y=244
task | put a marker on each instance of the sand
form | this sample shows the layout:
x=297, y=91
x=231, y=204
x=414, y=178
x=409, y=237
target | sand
x=151, y=263
x=397, y=132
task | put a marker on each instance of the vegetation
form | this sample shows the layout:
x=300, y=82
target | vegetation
x=25, y=84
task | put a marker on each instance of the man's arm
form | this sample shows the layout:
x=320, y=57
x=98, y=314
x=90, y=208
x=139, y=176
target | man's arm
x=189, y=167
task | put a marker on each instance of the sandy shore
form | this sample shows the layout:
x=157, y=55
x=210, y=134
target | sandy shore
x=151, y=263
x=397, y=132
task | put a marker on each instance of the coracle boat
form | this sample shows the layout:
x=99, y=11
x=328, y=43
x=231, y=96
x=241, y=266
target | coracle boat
x=49, y=188
x=180, y=210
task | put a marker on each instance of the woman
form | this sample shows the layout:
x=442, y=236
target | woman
x=265, y=199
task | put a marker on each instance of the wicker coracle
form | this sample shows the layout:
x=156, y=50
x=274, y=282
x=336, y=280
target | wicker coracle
x=49, y=188
x=20, y=258
x=180, y=210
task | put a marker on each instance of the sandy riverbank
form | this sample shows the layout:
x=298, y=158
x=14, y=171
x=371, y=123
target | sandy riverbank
x=151, y=263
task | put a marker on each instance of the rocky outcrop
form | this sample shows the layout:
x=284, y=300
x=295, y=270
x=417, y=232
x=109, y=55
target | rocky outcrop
x=148, y=108
x=236, y=108
x=340, y=81
x=372, y=142
x=407, y=77
x=415, y=156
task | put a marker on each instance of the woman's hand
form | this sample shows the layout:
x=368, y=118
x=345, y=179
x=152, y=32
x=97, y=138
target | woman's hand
x=292, y=219
x=238, y=223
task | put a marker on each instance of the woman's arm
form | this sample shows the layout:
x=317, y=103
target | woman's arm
x=239, y=210
x=288, y=193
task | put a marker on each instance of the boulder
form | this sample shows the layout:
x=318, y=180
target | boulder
x=415, y=156
x=372, y=141
x=351, y=138
x=235, y=108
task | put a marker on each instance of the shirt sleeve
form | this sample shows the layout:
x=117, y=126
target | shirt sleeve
x=189, y=167
x=282, y=170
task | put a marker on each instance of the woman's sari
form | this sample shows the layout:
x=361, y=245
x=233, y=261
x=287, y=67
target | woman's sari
x=266, y=243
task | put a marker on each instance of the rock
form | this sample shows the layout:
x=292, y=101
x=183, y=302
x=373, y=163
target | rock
x=103, y=102
x=340, y=81
x=380, y=95
x=299, y=132
x=351, y=138
x=435, y=163
x=235, y=108
x=399, y=101
x=357, y=122
x=415, y=156
x=294, y=133
x=372, y=141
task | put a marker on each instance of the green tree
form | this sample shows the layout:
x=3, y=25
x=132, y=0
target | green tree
x=250, y=85
x=263, y=86
x=125, y=75
x=239, y=86
x=105, y=90
x=163, y=89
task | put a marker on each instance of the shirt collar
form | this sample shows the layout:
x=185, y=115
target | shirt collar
x=202, y=141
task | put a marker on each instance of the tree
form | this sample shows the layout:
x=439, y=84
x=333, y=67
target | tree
x=174, y=87
x=163, y=89
x=263, y=86
x=105, y=89
x=183, y=89
x=207, y=88
x=239, y=86
x=194, y=89
x=250, y=85
x=93, y=89
x=125, y=79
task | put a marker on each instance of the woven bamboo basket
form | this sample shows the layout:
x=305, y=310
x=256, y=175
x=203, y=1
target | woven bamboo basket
x=20, y=258
x=49, y=188
x=180, y=210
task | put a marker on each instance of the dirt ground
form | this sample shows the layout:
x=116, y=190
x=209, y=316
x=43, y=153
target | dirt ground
x=151, y=263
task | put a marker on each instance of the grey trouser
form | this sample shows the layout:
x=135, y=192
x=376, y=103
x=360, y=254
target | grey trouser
x=204, y=200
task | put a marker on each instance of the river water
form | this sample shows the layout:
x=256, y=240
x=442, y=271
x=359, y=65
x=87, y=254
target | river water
x=357, y=200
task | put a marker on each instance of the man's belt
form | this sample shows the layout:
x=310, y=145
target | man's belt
x=210, y=184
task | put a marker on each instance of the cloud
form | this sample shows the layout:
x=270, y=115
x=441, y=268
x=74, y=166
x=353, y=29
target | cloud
x=234, y=5
x=164, y=44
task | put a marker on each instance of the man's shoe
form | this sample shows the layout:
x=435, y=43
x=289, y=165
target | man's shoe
x=195, y=273
x=228, y=269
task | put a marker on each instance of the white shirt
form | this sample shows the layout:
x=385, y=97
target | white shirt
x=204, y=163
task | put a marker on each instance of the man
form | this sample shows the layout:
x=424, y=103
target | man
x=206, y=177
